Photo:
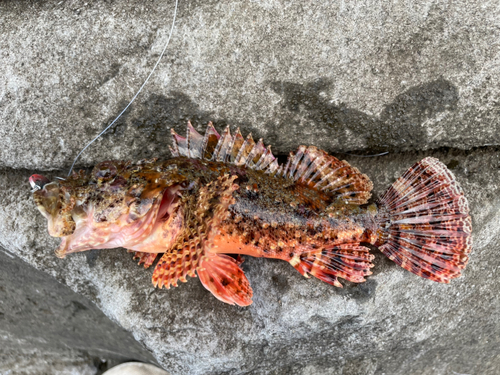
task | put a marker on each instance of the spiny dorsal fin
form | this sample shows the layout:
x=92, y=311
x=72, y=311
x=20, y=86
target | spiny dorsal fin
x=227, y=148
x=309, y=165
x=315, y=168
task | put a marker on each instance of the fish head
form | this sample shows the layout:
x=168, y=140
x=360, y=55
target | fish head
x=47, y=196
x=117, y=204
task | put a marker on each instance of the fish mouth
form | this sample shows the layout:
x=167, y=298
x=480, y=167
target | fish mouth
x=123, y=232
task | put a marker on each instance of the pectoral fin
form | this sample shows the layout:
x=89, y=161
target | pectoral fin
x=221, y=275
x=146, y=258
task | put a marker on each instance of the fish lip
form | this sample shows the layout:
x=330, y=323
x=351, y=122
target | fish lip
x=68, y=246
x=71, y=243
x=61, y=252
x=62, y=249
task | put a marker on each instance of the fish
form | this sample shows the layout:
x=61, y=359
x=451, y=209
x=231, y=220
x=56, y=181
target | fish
x=222, y=196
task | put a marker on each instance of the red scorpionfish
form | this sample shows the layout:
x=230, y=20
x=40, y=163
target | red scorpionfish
x=223, y=194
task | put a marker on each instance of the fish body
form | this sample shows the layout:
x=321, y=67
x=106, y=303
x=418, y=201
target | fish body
x=223, y=194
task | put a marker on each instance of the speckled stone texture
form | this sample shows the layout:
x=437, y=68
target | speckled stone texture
x=45, y=328
x=413, y=78
x=363, y=75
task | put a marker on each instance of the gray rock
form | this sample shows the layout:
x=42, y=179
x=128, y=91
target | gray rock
x=417, y=81
x=45, y=361
x=342, y=76
x=45, y=328
x=395, y=323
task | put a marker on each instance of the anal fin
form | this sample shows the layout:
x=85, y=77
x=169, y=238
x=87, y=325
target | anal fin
x=221, y=275
x=349, y=261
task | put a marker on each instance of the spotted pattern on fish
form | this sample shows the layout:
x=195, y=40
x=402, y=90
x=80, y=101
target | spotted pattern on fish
x=226, y=194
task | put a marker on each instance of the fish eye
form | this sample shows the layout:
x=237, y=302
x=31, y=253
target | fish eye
x=104, y=171
x=185, y=185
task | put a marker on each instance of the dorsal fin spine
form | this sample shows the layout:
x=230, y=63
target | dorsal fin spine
x=323, y=179
x=273, y=167
x=173, y=151
x=266, y=159
x=221, y=150
x=180, y=143
x=296, y=160
x=332, y=184
x=309, y=165
x=175, y=148
x=280, y=170
x=210, y=141
x=237, y=143
x=327, y=177
x=244, y=151
x=312, y=167
x=291, y=156
x=306, y=161
x=260, y=150
x=188, y=138
x=337, y=188
x=218, y=146
x=320, y=170
x=195, y=142
x=252, y=154
x=228, y=147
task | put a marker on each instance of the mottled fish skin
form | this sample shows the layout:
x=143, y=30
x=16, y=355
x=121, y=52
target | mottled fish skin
x=224, y=194
x=277, y=218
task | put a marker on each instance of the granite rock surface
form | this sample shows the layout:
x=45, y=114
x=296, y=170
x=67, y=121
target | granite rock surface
x=364, y=75
x=46, y=328
x=415, y=79
x=395, y=323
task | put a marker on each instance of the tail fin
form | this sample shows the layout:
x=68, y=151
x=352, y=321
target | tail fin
x=424, y=222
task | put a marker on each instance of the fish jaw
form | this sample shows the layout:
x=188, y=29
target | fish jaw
x=123, y=232
x=47, y=197
x=154, y=232
x=117, y=204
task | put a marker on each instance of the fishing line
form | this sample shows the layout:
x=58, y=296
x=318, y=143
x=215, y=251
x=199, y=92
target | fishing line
x=137, y=93
x=366, y=156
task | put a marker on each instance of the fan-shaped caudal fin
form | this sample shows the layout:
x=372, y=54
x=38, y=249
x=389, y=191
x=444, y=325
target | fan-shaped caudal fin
x=349, y=261
x=146, y=258
x=424, y=222
x=221, y=275
x=309, y=165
